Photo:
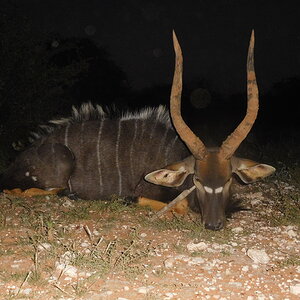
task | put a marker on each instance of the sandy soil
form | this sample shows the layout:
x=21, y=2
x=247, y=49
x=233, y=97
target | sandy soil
x=55, y=248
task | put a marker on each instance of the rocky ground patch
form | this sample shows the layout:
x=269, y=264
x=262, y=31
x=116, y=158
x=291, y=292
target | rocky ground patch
x=56, y=248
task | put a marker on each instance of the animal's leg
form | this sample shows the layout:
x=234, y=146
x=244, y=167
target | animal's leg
x=180, y=208
x=32, y=192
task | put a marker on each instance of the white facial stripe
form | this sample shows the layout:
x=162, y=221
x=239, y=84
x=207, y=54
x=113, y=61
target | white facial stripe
x=208, y=189
x=216, y=191
x=219, y=190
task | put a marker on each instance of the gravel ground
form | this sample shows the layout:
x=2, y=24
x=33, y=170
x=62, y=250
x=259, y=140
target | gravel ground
x=54, y=248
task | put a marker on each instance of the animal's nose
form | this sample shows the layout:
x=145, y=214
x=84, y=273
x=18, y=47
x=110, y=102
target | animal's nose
x=214, y=225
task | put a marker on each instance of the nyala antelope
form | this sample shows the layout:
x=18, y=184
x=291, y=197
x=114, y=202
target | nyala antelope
x=94, y=155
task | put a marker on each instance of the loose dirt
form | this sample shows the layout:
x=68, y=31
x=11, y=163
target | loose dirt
x=56, y=248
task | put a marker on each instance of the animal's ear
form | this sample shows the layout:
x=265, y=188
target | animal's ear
x=172, y=175
x=250, y=171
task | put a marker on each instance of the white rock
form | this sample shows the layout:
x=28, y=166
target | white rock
x=84, y=244
x=196, y=261
x=67, y=257
x=197, y=247
x=68, y=203
x=245, y=268
x=169, y=262
x=143, y=235
x=71, y=271
x=27, y=291
x=237, y=229
x=295, y=289
x=106, y=293
x=258, y=256
x=291, y=233
x=44, y=246
x=170, y=295
x=182, y=257
x=255, y=202
x=145, y=289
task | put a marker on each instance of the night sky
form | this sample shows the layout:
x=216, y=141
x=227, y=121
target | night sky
x=214, y=36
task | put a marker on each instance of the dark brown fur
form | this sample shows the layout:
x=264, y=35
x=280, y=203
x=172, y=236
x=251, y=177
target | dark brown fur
x=96, y=162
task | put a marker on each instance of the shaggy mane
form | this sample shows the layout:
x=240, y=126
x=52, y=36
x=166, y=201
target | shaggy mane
x=89, y=112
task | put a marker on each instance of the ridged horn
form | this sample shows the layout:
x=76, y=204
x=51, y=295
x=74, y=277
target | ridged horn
x=233, y=141
x=194, y=144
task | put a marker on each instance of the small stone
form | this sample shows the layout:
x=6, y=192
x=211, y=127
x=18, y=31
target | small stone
x=245, y=268
x=71, y=271
x=106, y=293
x=145, y=289
x=255, y=202
x=237, y=229
x=143, y=235
x=68, y=203
x=291, y=233
x=258, y=256
x=169, y=263
x=27, y=291
x=84, y=244
x=197, y=247
x=44, y=246
x=196, y=261
x=295, y=289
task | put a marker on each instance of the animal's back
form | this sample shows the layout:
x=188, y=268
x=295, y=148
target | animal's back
x=112, y=155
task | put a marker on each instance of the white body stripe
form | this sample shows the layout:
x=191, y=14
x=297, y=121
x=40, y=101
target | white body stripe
x=99, y=156
x=81, y=145
x=117, y=157
x=67, y=134
x=153, y=130
x=70, y=185
x=163, y=141
x=170, y=147
x=132, y=148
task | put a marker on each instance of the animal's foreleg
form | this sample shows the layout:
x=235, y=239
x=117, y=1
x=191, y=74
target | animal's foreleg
x=180, y=208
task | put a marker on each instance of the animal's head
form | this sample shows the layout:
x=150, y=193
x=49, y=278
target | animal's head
x=212, y=169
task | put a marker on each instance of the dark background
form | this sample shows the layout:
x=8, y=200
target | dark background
x=58, y=53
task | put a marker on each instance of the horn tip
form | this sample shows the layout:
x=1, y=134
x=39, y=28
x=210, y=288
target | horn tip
x=175, y=40
x=252, y=36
